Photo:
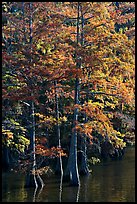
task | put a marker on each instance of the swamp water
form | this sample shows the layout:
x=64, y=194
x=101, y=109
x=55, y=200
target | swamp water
x=111, y=181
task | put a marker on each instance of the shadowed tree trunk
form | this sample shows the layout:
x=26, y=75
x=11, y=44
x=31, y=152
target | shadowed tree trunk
x=84, y=167
x=72, y=166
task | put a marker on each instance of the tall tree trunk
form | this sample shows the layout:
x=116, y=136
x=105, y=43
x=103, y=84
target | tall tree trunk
x=59, y=168
x=72, y=166
x=32, y=179
x=84, y=166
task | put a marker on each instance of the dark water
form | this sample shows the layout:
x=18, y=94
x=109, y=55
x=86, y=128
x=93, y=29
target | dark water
x=109, y=182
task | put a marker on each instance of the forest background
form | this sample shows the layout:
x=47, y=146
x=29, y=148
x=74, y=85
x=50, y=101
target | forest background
x=68, y=85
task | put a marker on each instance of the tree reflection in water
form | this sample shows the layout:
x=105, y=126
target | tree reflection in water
x=60, y=188
x=109, y=182
x=37, y=192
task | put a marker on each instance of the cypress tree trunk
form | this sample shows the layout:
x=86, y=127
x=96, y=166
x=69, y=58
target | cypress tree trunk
x=32, y=180
x=84, y=167
x=72, y=166
x=59, y=168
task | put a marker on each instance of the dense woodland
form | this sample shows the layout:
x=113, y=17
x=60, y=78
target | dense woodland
x=68, y=86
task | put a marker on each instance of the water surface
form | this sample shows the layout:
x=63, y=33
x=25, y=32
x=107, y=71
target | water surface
x=111, y=181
